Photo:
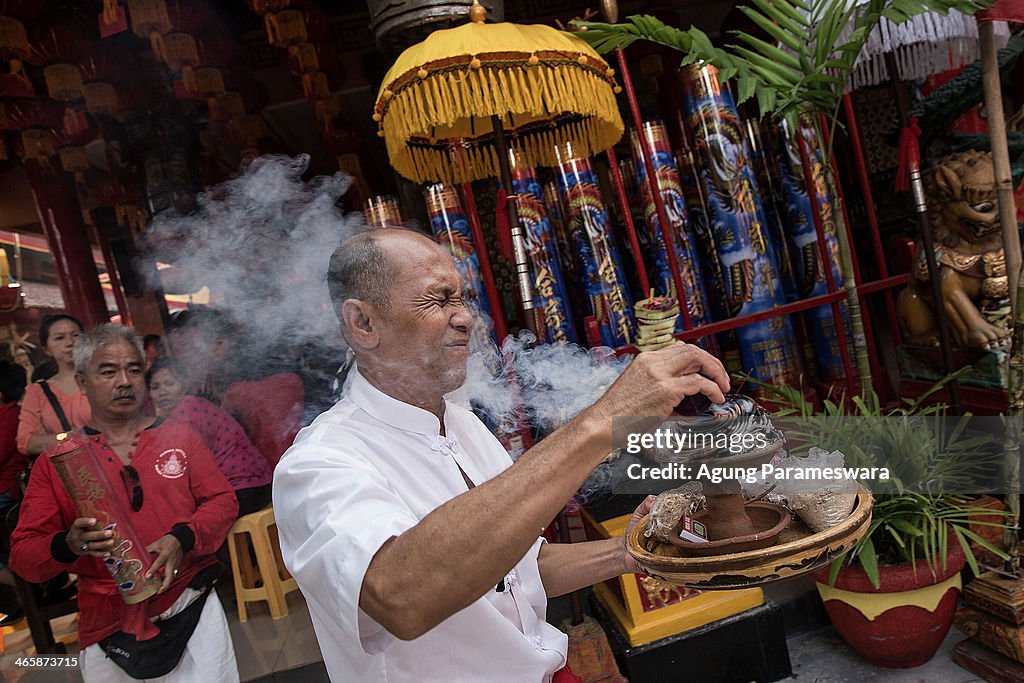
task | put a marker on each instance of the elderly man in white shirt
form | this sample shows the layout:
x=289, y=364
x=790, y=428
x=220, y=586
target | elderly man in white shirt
x=413, y=536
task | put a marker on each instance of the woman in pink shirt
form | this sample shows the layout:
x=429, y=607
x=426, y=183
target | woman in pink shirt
x=39, y=421
x=241, y=462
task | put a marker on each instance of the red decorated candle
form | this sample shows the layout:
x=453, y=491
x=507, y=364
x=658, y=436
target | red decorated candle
x=94, y=496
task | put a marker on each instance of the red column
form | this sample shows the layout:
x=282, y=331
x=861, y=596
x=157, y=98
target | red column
x=68, y=238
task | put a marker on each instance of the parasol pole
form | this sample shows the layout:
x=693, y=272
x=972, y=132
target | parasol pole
x=1011, y=250
x=498, y=311
x=620, y=193
x=518, y=241
x=913, y=162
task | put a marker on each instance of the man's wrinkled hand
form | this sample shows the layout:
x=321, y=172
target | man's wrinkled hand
x=656, y=381
x=169, y=554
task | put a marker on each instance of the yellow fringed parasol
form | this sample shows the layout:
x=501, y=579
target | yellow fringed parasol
x=543, y=86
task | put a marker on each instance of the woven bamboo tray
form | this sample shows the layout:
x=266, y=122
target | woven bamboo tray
x=799, y=551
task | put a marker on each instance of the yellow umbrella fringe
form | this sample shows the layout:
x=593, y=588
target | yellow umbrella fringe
x=437, y=101
x=446, y=83
x=495, y=93
x=449, y=99
x=562, y=88
x=500, y=85
x=424, y=106
x=481, y=98
x=442, y=104
x=510, y=87
x=430, y=106
x=521, y=89
x=513, y=86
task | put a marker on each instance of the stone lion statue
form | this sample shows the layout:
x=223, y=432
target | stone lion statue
x=969, y=254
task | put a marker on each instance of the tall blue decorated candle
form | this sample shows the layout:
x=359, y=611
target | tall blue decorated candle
x=604, y=280
x=768, y=348
x=550, y=295
x=808, y=269
x=683, y=241
x=772, y=203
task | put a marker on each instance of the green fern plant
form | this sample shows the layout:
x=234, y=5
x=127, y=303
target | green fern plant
x=804, y=71
x=916, y=522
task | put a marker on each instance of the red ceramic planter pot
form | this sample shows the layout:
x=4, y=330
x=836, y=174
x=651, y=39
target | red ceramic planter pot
x=901, y=624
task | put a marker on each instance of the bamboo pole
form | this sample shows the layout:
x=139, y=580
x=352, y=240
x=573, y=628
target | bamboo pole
x=1011, y=250
x=848, y=265
x=1000, y=155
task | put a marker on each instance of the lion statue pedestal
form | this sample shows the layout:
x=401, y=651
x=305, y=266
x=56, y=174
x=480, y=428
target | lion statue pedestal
x=964, y=217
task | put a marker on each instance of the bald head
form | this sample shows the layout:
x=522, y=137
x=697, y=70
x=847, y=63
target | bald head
x=365, y=265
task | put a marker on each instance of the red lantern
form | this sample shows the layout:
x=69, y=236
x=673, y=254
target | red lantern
x=148, y=17
x=285, y=29
x=13, y=38
x=63, y=82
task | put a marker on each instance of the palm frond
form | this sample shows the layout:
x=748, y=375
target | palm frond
x=807, y=67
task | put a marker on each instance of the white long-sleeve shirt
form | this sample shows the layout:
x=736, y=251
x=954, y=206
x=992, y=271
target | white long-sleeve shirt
x=369, y=469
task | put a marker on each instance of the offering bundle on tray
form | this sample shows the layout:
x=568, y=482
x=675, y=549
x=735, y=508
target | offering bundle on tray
x=727, y=528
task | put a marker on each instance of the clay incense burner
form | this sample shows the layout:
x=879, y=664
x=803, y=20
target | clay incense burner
x=733, y=524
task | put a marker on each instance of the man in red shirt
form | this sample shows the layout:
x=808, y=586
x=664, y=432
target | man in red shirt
x=181, y=505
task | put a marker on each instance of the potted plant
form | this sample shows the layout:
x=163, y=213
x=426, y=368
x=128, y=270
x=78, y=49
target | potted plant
x=892, y=598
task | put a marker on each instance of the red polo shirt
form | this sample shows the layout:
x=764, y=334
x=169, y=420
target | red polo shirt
x=192, y=491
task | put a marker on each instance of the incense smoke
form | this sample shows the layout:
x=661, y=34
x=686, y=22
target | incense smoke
x=544, y=386
x=262, y=242
x=547, y=384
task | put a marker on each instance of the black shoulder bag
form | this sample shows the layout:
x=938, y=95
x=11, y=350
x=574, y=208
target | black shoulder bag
x=55, y=404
